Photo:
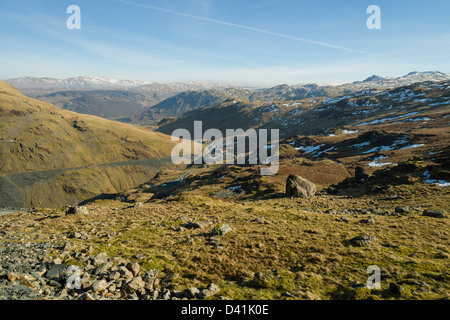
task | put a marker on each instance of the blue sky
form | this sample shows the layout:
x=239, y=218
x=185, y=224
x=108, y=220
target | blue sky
x=242, y=42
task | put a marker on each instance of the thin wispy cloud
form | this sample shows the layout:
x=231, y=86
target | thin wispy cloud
x=111, y=52
x=36, y=41
x=240, y=26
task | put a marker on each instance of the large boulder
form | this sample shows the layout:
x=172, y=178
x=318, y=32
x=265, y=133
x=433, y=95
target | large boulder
x=77, y=210
x=299, y=187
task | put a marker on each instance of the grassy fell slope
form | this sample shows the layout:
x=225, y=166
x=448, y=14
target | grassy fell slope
x=36, y=136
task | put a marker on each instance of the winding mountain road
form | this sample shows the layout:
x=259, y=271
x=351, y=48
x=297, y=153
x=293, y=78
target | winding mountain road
x=12, y=184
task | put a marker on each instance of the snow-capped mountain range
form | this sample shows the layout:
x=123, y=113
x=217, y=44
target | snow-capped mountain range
x=73, y=83
x=166, y=88
x=100, y=83
x=150, y=102
x=410, y=78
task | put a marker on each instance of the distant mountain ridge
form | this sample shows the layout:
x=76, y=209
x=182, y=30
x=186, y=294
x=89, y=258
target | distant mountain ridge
x=410, y=78
x=150, y=102
x=101, y=83
x=188, y=101
x=85, y=82
x=73, y=83
x=419, y=104
x=106, y=98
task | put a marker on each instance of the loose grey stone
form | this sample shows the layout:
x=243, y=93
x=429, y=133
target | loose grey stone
x=150, y=279
x=205, y=293
x=147, y=297
x=288, y=295
x=192, y=225
x=260, y=220
x=165, y=295
x=119, y=261
x=21, y=288
x=363, y=240
x=132, y=296
x=112, y=288
x=178, y=294
x=134, y=268
x=229, y=193
x=210, y=291
x=192, y=293
x=38, y=277
x=99, y=286
x=213, y=288
x=12, y=276
x=100, y=259
x=54, y=283
x=86, y=296
x=115, y=275
x=258, y=275
x=369, y=220
x=434, y=214
x=402, y=209
x=103, y=268
x=344, y=219
x=56, y=270
x=134, y=285
x=63, y=294
x=127, y=274
x=221, y=230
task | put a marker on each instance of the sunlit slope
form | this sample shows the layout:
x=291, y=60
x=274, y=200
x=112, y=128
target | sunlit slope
x=53, y=157
x=38, y=136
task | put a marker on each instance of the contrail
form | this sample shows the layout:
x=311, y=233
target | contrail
x=240, y=26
